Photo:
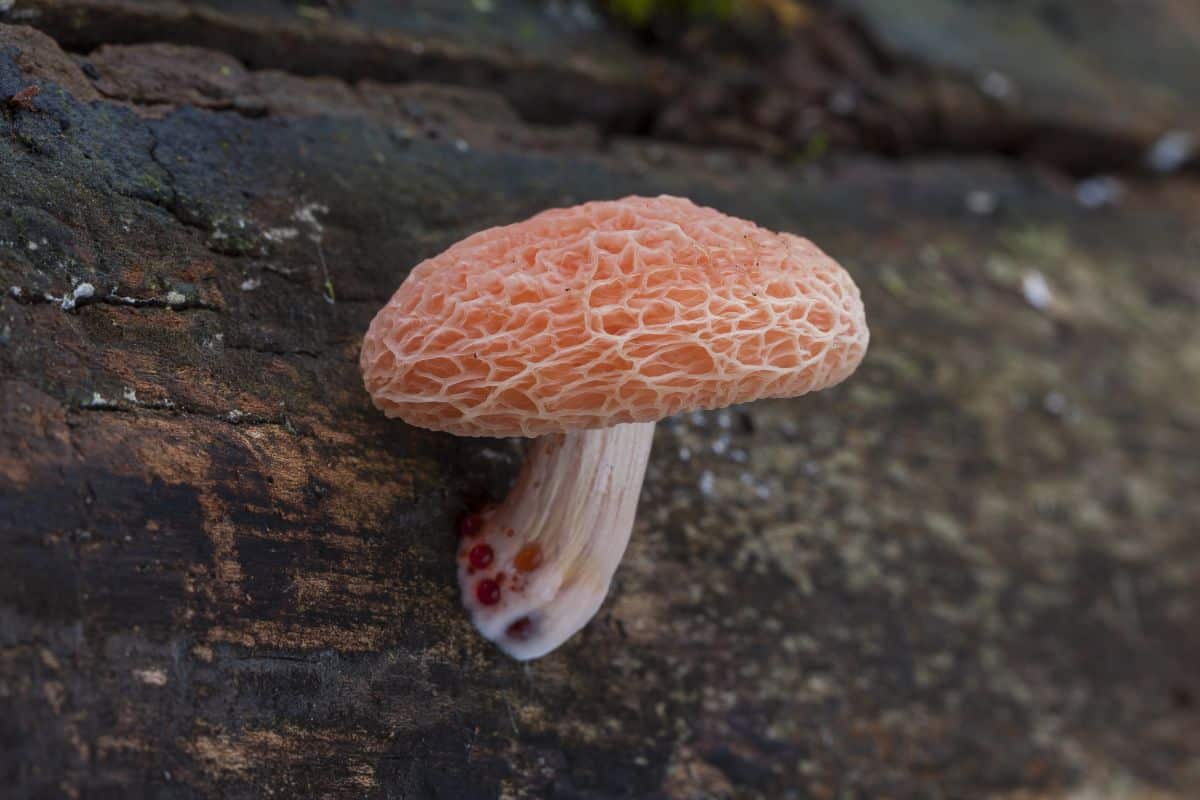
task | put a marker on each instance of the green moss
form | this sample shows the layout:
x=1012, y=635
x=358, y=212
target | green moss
x=640, y=13
x=815, y=148
x=1045, y=244
x=747, y=15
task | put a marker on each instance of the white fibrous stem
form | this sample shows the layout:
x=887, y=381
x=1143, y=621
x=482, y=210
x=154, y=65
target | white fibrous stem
x=536, y=568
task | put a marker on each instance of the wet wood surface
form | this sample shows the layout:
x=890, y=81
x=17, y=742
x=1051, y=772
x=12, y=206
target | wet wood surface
x=974, y=569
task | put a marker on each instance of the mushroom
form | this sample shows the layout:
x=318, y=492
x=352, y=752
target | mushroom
x=584, y=326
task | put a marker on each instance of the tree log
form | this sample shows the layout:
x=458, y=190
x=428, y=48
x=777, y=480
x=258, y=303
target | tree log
x=974, y=569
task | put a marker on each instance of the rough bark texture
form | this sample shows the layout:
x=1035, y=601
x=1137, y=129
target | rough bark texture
x=974, y=569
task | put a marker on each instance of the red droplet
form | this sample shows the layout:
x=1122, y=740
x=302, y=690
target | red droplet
x=480, y=556
x=470, y=524
x=521, y=628
x=487, y=591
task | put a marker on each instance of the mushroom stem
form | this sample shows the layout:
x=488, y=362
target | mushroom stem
x=535, y=569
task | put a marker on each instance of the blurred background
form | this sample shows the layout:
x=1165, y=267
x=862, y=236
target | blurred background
x=972, y=570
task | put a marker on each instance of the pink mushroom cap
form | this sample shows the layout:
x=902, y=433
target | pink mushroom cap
x=610, y=312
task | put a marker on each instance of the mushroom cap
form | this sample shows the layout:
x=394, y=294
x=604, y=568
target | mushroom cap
x=610, y=312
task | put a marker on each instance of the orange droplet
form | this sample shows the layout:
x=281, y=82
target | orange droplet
x=528, y=557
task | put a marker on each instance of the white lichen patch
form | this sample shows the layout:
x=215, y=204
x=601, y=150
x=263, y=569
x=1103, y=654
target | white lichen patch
x=1171, y=151
x=307, y=214
x=151, y=677
x=997, y=85
x=1056, y=403
x=80, y=292
x=176, y=298
x=981, y=202
x=221, y=232
x=98, y=400
x=279, y=235
x=752, y=482
x=1099, y=191
x=1036, y=290
x=164, y=403
x=250, y=284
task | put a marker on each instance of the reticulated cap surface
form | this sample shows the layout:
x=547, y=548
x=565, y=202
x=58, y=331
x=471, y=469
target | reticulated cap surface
x=609, y=312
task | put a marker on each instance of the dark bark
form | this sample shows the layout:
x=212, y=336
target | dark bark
x=972, y=569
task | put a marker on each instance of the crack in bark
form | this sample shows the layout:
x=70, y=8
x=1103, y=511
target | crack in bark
x=274, y=351
x=236, y=105
x=234, y=417
x=287, y=659
x=154, y=145
x=69, y=302
x=174, y=207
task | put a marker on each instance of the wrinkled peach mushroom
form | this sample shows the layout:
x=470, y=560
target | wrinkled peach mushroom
x=584, y=326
